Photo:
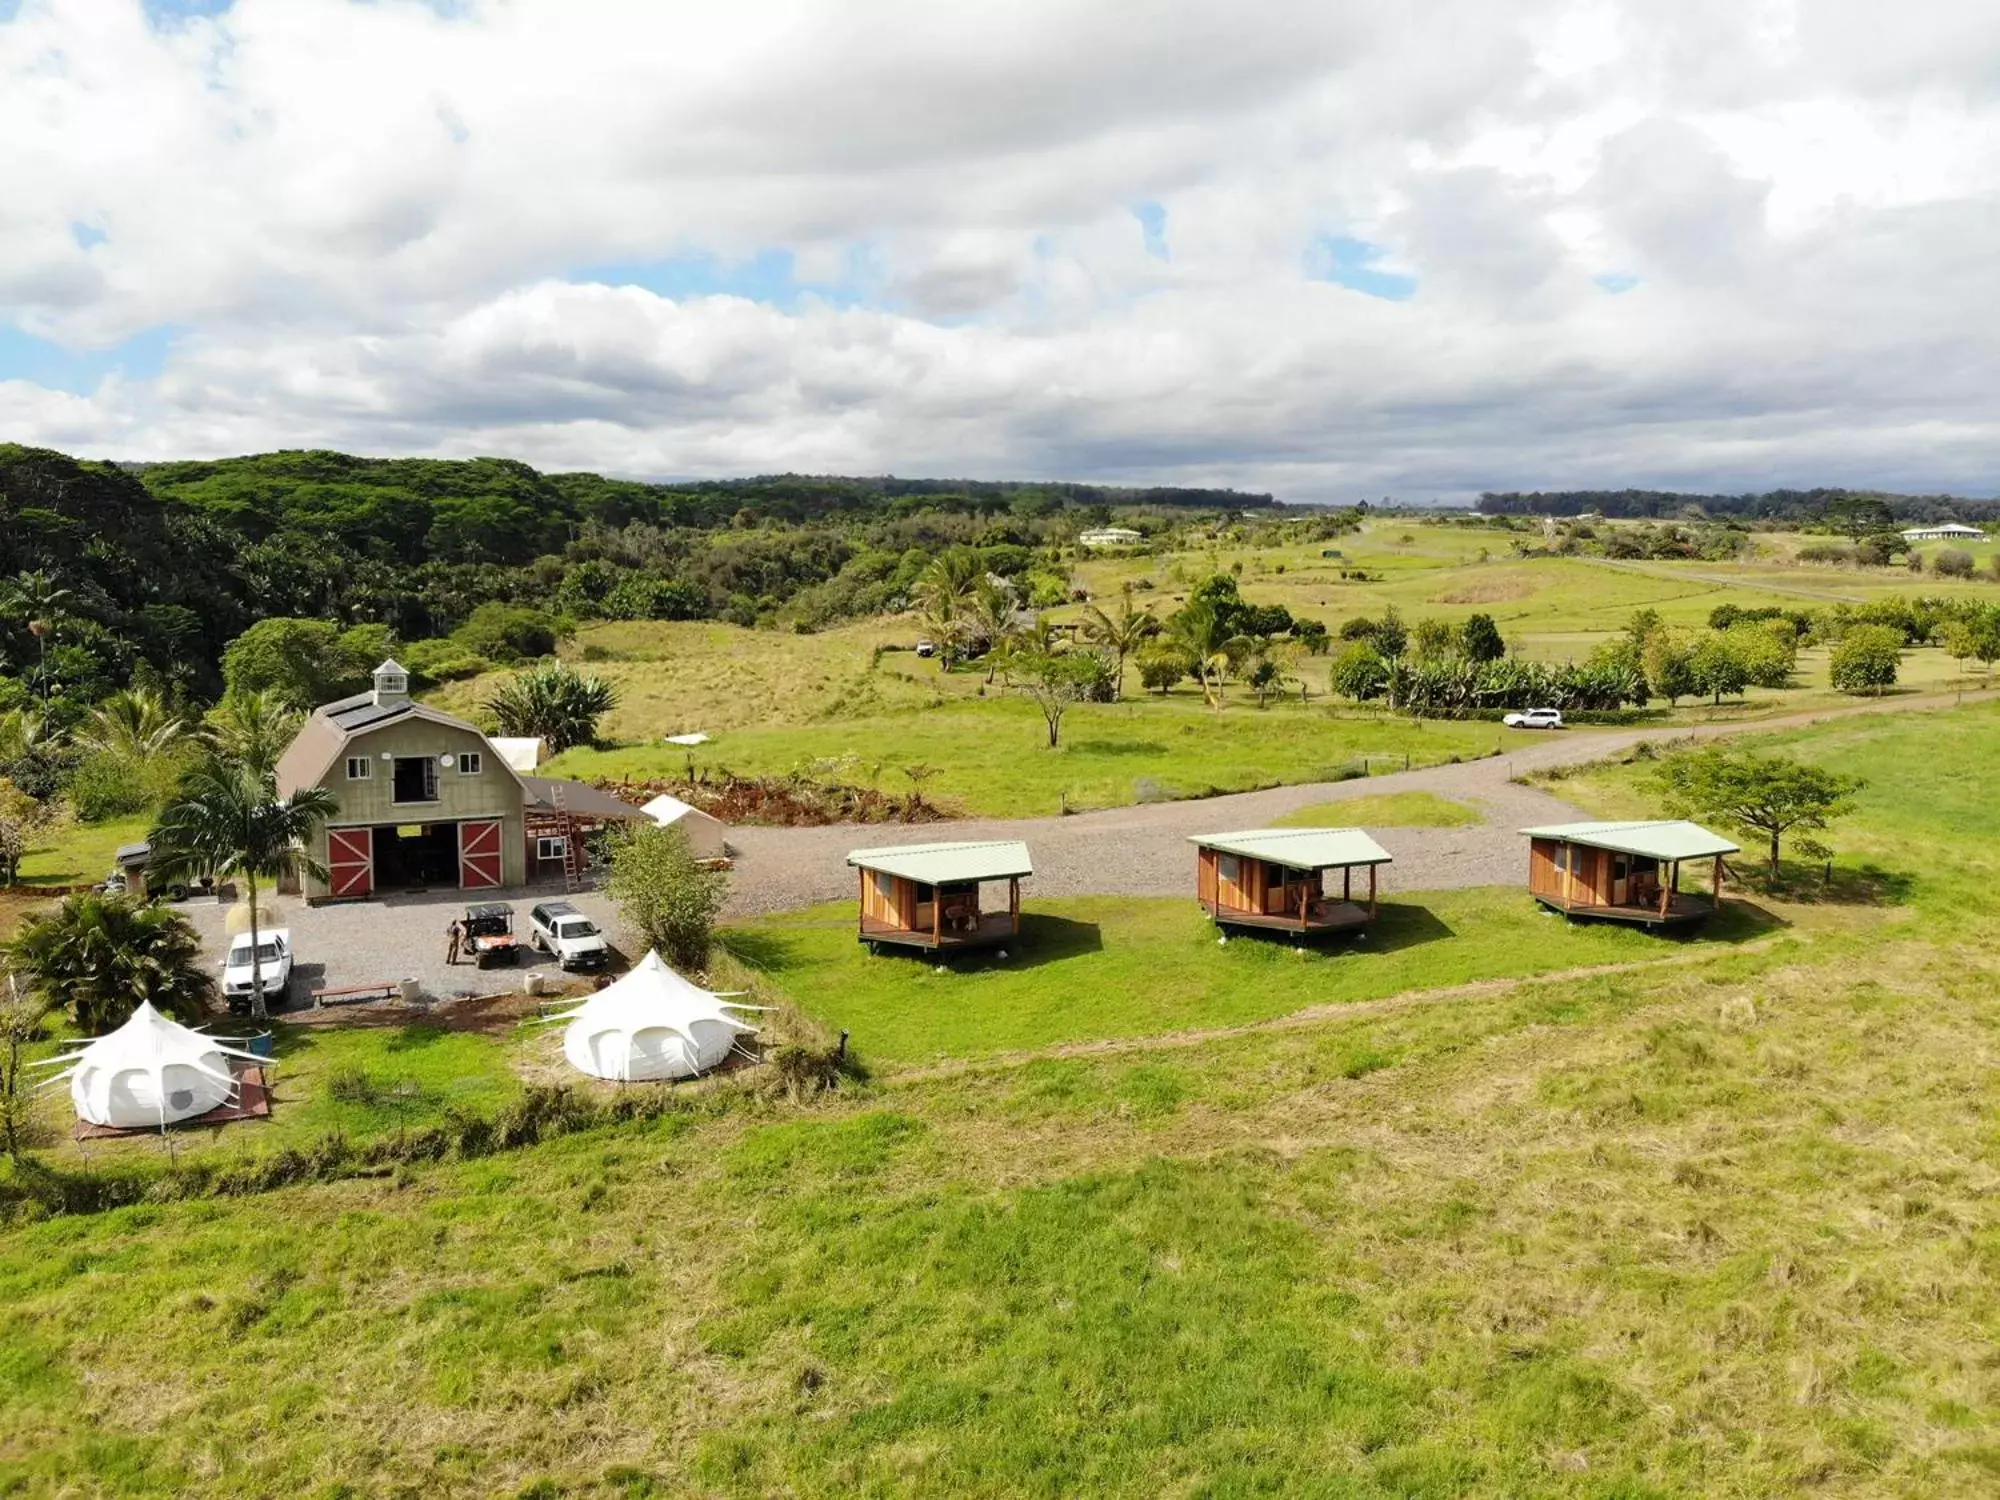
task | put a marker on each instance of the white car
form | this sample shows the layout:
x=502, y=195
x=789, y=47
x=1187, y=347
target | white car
x=571, y=938
x=1535, y=718
x=274, y=968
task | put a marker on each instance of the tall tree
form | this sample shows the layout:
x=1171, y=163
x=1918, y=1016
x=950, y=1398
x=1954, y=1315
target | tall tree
x=136, y=723
x=253, y=729
x=1121, y=634
x=1202, y=628
x=228, y=820
x=1769, y=796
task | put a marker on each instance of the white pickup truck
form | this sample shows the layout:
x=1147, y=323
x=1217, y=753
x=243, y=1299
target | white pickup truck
x=274, y=968
x=566, y=934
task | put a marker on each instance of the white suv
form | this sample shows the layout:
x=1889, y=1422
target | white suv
x=1535, y=718
x=567, y=935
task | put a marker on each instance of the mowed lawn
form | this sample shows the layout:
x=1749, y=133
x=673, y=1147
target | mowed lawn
x=991, y=756
x=1109, y=967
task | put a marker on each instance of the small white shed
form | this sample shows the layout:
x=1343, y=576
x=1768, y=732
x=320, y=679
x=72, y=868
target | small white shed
x=706, y=835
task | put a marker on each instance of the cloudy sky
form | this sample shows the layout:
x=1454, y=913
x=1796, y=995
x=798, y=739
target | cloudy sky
x=1332, y=248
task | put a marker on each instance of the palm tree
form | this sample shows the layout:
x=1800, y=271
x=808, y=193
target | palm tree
x=229, y=820
x=555, y=703
x=989, y=612
x=1203, y=630
x=1121, y=634
x=944, y=592
x=136, y=724
x=99, y=956
x=253, y=729
x=38, y=599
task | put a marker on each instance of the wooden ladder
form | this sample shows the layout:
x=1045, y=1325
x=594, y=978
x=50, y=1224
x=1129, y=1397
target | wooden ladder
x=572, y=861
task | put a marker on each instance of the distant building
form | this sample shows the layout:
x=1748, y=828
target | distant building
x=1111, y=536
x=1950, y=531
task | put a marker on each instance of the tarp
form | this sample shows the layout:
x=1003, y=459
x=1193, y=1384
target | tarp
x=651, y=1024
x=150, y=1072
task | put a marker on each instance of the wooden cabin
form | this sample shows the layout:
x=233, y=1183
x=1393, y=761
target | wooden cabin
x=1626, y=872
x=1276, y=879
x=928, y=896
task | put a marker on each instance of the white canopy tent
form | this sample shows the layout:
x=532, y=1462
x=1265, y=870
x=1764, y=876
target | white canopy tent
x=705, y=833
x=650, y=1025
x=150, y=1072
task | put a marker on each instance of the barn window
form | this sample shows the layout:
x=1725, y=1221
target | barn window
x=469, y=763
x=359, y=768
x=551, y=848
x=1229, y=868
x=416, y=779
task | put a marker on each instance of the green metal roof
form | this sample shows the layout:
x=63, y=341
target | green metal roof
x=946, y=864
x=1667, y=839
x=1299, y=848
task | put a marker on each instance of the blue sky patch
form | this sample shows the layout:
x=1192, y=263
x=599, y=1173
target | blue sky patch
x=1352, y=263
x=43, y=362
x=86, y=235
x=770, y=276
x=1616, y=282
x=178, y=12
x=1152, y=219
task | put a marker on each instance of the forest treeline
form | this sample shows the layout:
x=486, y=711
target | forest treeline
x=1793, y=507
x=160, y=566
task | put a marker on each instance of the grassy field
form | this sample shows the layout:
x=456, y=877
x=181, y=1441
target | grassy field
x=80, y=853
x=992, y=757
x=1127, y=967
x=855, y=702
x=1716, y=1224
x=1386, y=810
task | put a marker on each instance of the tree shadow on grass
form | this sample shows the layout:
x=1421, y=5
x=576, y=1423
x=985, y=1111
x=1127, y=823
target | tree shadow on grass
x=760, y=948
x=1815, y=885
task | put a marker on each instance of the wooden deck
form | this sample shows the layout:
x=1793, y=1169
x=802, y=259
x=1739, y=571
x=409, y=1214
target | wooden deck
x=994, y=929
x=1683, y=910
x=1325, y=916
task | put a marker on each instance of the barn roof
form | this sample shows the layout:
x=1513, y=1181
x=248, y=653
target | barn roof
x=580, y=798
x=1299, y=848
x=1667, y=839
x=947, y=864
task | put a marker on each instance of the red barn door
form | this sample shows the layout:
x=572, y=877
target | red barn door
x=479, y=855
x=350, y=861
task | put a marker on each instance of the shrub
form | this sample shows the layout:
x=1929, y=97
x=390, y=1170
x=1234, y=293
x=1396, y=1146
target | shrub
x=1953, y=562
x=554, y=703
x=670, y=899
x=443, y=661
x=108, y=785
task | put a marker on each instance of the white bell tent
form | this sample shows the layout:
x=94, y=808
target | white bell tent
x=150, y=1073
x=650, y=1025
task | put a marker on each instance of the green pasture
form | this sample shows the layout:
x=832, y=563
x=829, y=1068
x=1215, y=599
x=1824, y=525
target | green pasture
x=991, y=755
x=1117, y=967
x=1631, y=1216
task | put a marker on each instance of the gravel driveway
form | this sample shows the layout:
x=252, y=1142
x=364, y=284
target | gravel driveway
x=397, y=936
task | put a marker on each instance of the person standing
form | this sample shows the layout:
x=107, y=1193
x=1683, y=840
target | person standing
x=454, y=938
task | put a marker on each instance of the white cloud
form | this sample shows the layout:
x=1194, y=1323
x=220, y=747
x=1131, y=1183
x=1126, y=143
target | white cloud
x=367, y=219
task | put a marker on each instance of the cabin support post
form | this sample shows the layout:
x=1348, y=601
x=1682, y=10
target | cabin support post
x=937, y=916
x=1305, y=903
x=1347, y=882
x=1371, y=893
x=1014, y=903
x=1717, y=882
x=1667, y=889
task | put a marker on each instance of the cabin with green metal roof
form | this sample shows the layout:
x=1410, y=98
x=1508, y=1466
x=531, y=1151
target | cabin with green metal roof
x=1275, y=879
x=1625, y=872
x=928, y=896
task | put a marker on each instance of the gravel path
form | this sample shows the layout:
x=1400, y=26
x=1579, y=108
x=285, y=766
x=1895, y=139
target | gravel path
x=1143, y=851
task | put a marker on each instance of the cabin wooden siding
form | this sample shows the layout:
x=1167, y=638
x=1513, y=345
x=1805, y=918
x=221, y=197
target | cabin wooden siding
x=1259, y=886
x=888, y=899
x=1587, y=879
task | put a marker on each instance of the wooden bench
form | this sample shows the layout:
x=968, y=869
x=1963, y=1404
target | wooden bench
x=354, y=993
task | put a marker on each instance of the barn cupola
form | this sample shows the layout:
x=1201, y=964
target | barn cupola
x=392, y=685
